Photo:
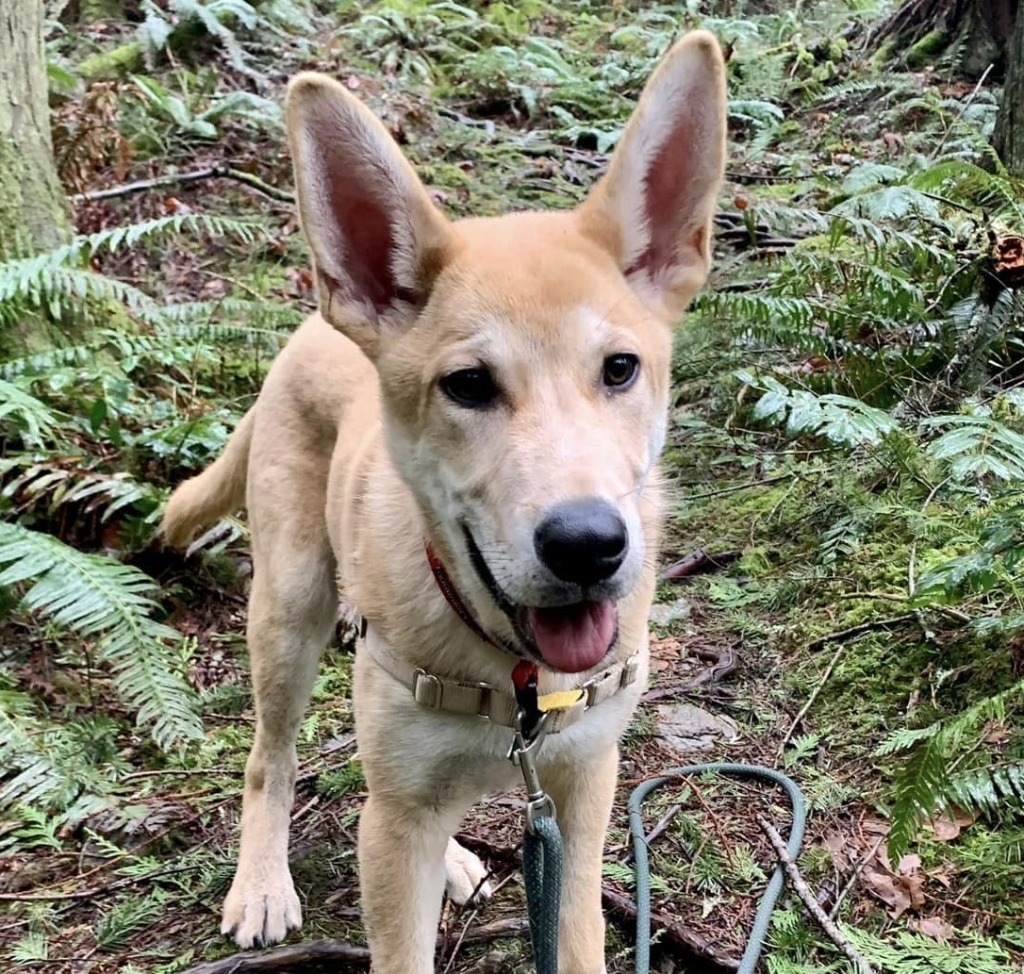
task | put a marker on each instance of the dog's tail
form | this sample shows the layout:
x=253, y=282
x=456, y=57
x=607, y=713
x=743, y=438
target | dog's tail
x=218, y=490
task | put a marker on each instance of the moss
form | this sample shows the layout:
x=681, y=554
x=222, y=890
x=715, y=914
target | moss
x=924, y=51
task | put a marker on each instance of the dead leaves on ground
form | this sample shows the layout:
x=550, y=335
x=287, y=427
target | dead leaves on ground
x=906, y=887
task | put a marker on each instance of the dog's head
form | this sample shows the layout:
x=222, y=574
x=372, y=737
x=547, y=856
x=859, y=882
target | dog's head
x=523, y=360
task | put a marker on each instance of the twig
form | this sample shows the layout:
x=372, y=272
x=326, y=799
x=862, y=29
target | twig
x=854, y=876
x=813, y=906
x=314, y=955
x=178, y=179
x=750, y=483
x=963, y=108
x=819, y=686
x=96, y=891
x=699, y=562
x=663, y=823
x=844, y=635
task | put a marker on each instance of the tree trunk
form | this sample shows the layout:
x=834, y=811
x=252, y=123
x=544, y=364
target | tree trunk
x=33, y=213
x=1009, y=135
x=919, y=32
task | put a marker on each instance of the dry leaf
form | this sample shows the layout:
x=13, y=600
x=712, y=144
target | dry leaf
x=934, y=927
x=902, y=890
x=947, y=827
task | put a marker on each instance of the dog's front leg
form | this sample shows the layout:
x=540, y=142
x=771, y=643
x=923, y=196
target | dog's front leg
x=402, y=879
x=583, y=794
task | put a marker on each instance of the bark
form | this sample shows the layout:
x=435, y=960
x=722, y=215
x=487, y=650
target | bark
x=33, y=214
x=919, y=32
x=1009, y=135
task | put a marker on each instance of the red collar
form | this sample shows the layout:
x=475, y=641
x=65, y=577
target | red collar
x=452, y=597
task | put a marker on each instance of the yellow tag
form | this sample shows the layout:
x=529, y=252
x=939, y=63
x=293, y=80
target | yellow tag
x=561, y=700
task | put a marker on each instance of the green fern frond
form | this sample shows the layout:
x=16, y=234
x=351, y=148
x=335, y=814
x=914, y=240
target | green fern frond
x=969, y=184
x=60, y=290
x=35, y=421
x=924, y=785
x=987, y=789
x=99, y=598
x=920, y=786
x=95, y=490
x=976, y=447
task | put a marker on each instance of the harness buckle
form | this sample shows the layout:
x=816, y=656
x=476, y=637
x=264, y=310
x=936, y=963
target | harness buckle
x=427, y=689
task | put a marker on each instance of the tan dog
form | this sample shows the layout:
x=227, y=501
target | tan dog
x=497, y=388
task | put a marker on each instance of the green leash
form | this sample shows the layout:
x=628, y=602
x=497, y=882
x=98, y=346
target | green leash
x=542, y=866
x=765, y=908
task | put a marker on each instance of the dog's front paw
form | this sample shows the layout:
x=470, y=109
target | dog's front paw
x=465, y=875
x=261, y=912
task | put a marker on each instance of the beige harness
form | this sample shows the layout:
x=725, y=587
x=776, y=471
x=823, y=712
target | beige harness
x=500, y=707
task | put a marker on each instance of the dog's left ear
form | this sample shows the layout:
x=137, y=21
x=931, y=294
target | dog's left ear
x=653, y=207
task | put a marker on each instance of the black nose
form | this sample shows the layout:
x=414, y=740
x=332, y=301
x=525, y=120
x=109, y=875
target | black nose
x=582, y=541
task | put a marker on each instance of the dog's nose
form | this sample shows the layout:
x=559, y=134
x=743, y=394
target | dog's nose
x=582, y=541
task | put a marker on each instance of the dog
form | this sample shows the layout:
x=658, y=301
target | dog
x=466, y=436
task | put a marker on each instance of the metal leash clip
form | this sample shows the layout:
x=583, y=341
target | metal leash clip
x=530, y=730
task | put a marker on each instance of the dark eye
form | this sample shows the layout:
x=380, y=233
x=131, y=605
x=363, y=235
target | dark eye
x=472, y=388
x=620, y=371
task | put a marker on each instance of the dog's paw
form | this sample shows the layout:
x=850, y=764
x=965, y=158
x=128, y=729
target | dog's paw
x=465, y=876
x=261, y=912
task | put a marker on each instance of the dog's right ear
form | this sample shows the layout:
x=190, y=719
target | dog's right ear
x=378, y=241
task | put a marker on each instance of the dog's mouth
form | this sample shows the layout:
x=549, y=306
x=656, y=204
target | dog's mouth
x=570, y=638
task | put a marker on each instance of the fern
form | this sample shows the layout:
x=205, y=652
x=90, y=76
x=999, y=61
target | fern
x=99, y=598
x=975, y=447
x=925, y=785
x=57, y=283
x=35, y=420
x=840, y=419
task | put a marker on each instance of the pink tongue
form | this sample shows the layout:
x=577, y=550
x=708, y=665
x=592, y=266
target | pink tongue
x=574, y=637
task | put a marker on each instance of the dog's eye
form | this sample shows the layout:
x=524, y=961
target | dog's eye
x=620, y=371
x=472, y=388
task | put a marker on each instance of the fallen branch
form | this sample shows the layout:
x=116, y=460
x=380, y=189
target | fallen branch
x=796, y=881
x=182, y=178
x=314, y=955
x=843, y=635
x=684, y=940
x=699, y=562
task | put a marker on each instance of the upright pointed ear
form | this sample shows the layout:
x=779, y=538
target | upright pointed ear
x=378, y=241
x=653, y=207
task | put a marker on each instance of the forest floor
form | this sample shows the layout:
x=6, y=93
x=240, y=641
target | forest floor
x=773, y=663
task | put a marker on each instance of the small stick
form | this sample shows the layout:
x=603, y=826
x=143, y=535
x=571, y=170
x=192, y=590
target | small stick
x=854, y=876
x=663, y=823
x=819, y=686
x=813, y=906
x=845, y=634
x=180, y=178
